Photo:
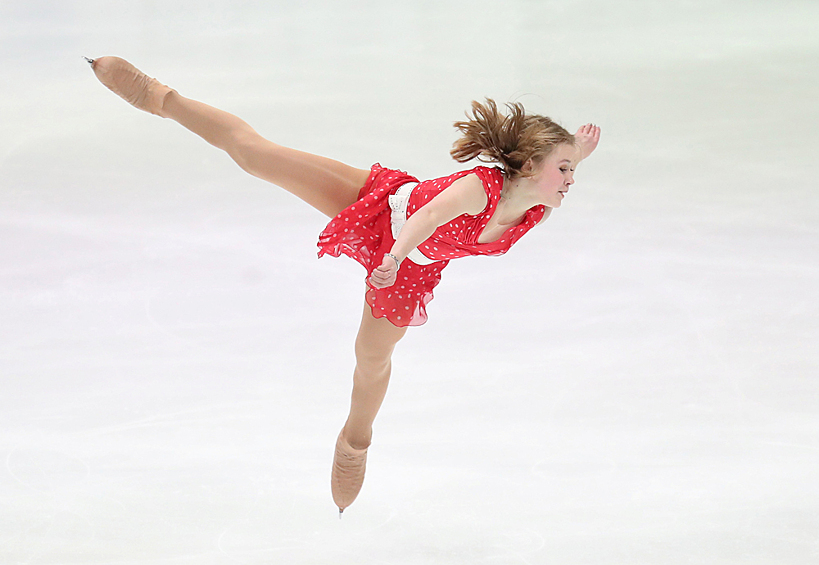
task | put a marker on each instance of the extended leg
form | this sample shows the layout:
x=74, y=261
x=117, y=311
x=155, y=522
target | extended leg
x=325, y=184
x=374, y=346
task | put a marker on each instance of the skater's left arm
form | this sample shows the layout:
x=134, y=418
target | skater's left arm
x=587, y=138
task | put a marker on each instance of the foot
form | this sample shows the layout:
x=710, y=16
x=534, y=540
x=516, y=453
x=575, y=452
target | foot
x=348, y=472
x=129, y=83
x=587, y=138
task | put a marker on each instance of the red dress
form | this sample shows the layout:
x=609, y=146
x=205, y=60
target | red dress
x=362, y=231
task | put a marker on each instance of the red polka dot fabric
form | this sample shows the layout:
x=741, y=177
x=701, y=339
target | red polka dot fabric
x=362, y=232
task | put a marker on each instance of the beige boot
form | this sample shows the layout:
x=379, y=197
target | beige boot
x=128, y=82
x=348, y=473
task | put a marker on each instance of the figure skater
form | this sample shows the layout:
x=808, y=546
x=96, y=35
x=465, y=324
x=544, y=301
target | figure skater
x=404, y=232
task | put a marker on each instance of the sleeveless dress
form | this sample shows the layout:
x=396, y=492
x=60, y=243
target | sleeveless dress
x=362, y=231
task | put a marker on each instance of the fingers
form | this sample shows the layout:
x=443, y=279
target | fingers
x=587, y=137
x=588, y=131
x=380, y=277
x=378, y=282
x=384, y=275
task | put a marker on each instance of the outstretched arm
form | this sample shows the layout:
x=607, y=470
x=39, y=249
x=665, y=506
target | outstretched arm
x=464, y=196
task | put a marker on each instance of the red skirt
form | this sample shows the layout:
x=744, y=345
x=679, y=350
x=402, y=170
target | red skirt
x=362, y=231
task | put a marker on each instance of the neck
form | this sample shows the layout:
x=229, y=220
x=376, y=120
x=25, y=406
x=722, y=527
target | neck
x=517, y=197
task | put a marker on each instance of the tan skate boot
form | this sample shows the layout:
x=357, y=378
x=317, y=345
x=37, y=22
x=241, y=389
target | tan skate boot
x=348, y=473
x=128, y=82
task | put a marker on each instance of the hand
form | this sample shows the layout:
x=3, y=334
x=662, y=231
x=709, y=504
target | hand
x=385, y=275
x=587, y=138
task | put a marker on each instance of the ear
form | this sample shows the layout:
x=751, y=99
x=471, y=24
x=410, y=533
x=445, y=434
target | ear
x=531, y=166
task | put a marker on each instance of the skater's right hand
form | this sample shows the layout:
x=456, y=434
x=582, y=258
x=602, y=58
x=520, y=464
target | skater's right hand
x=384, y=275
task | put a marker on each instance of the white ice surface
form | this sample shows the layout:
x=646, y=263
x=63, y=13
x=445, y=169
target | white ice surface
x=640, y=384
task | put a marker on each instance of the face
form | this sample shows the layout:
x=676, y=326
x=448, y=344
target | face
x=555, y=174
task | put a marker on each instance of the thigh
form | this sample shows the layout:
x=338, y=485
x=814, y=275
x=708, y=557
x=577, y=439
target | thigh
x=376, y=338
x=326, y=184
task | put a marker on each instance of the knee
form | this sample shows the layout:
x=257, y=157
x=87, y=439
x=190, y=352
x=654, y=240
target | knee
x=372, y=363
x=374, y=346
x=244, y=147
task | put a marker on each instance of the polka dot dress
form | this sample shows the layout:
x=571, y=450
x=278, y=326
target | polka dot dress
x=362, y=232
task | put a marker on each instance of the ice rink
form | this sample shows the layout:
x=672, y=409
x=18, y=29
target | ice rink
x=639, y=386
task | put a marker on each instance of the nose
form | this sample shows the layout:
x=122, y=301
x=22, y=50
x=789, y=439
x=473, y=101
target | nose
x=570, y=179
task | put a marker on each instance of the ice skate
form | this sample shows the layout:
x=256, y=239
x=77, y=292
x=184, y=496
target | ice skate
x=348, y=473
x=125, y=80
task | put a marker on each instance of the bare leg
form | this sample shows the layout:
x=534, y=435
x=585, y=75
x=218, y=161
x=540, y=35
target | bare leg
x=373, y=350
x=327, y=185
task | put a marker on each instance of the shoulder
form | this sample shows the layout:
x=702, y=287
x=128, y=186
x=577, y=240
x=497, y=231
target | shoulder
x=463, y=193
x=470, y=189
x=488, y=179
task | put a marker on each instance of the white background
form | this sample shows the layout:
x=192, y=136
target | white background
x=635, y=382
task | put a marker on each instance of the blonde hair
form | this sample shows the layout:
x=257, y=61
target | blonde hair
x=510, y=141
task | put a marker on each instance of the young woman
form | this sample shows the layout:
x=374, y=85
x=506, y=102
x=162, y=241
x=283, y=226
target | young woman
x=402, y=231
